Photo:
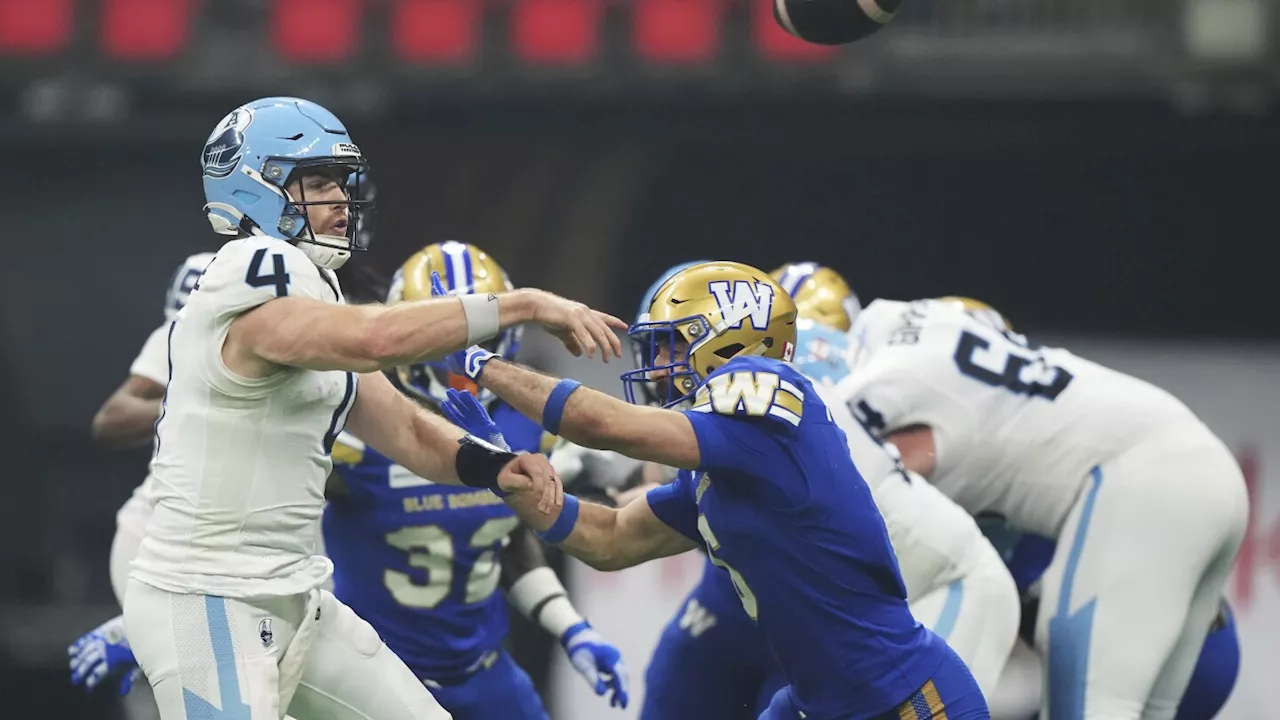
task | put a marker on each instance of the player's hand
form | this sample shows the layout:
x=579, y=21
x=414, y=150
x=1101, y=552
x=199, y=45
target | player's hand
x=467, y=361
x=532, y=473
x=597, y=661
x=464, y=410
x=102, y=652
x=581, y=329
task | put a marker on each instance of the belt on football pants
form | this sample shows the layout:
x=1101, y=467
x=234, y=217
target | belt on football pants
x=924, y=704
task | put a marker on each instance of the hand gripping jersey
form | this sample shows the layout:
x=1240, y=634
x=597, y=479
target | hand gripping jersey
x=241, y=463
x=778, y=503
x=420, y=561
x=1017, y=427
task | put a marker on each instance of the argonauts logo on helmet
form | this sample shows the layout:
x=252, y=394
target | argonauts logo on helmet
x=223, y=149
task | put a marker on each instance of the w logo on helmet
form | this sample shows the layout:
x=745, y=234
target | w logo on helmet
x=224, y=147
x=741, y=300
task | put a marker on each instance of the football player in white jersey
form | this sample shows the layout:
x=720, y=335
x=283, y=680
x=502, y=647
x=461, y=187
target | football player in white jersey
x=957, y=584
x=126, y=419
x=223, y=608
x=1147, y=505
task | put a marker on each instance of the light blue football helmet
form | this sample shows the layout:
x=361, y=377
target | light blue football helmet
x=822, y=352
x=648, y=392
x=255, y=152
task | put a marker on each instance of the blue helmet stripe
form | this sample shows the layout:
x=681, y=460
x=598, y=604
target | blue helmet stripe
x=467, y=273
x=795, y=275
x=456, y=265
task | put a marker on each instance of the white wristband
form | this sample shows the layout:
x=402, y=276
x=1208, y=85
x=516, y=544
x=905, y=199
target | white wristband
x=539, y=596
x=482, y=316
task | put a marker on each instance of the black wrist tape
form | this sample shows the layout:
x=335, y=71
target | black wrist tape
x=479, y=463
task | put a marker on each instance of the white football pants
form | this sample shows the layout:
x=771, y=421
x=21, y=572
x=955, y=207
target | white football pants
x=978, y=616
x=209, y=656
x=1137, y=576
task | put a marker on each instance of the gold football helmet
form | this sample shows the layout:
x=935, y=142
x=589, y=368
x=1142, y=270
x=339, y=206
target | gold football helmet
x=702, y=317
x=820, y=294
x=982, y=311
x=463, y=269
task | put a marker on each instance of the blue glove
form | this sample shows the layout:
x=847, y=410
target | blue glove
x=101, y=652
x=464, y=410
x=597, y=661
x=468, y=361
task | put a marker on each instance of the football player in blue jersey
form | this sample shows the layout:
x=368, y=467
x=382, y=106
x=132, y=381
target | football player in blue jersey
x=767, y=488
x=422, y=562
x=711, y=662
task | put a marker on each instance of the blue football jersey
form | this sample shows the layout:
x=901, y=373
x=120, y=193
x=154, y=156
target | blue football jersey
x=418, y=560
x=778, y=503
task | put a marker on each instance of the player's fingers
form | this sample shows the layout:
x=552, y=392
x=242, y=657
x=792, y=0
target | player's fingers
x=608, y=341
x=582, y=332
x=85, y=664
x=541, y=476
x=96, y=677
x=570, y=343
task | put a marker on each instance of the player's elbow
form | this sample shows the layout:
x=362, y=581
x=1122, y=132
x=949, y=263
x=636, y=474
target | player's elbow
x=107, y=429
x=100, y=428
x=606, y=562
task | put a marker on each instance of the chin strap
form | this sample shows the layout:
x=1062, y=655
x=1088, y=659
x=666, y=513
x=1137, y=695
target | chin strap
x=329, y=257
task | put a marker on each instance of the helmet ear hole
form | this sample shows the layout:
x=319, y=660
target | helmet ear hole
x=729, y=351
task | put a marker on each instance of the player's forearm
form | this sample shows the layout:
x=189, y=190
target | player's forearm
x=521, y=556
x=125, y=421
x=592, y=540
x=434, y=453
x=596, y=420
x=590, y=418
x=413, y=332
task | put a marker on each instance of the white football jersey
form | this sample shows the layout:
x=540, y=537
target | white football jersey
x=1016, y=426
x=152, y=363
x=935, y=540
x=241, y=463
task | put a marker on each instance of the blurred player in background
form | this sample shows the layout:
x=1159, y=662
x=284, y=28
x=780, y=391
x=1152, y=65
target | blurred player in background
x=956, y=582
x=776, y=500
x=263, y=364
x=1147, y=506
x=127, y=419
x=421, y=561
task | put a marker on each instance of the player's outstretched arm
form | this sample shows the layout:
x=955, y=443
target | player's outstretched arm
x=604, y=538
x=594, y=419
x=308, y=333
x=429, y=447
x=128, y=417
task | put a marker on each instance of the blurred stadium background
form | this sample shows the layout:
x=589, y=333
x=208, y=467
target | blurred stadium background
x=1103, y=171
